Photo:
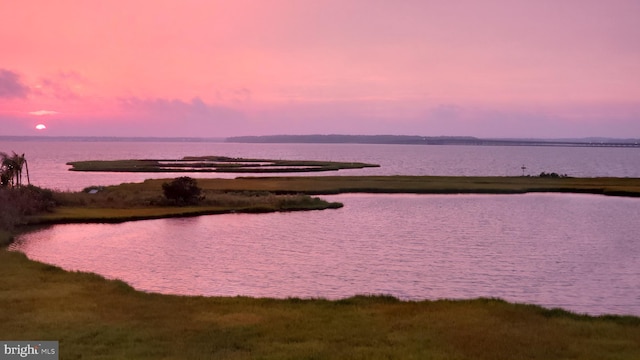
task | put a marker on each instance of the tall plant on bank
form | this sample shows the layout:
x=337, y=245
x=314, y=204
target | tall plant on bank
x=11, y=169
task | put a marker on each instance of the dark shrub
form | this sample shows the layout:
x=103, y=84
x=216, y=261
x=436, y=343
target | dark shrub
x=18, y=203
x=553, y=175
x=182, y=191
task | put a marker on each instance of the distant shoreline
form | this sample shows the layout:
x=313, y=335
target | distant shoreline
x=110, y=139
x=352, y=139
x=434, y=140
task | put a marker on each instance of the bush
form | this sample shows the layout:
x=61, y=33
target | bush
x=553, y=175
x=18, y=203
x=182, y=191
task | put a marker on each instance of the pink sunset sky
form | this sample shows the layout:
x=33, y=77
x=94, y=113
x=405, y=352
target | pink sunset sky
x=486, y=68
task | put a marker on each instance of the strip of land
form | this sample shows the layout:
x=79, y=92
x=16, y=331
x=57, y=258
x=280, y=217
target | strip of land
x=138, y=201
x=221, y=164
x=324, y=185
x=432, y=140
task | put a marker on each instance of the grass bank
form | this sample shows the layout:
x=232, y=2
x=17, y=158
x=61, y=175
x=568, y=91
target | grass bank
x=128, y=202
x=317, y=185
x=94, y=318
x=136, y=201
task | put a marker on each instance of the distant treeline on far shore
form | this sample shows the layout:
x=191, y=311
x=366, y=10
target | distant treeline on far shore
x=431, y=140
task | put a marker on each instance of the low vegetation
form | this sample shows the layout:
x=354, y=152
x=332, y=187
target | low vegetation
x=182, y=191
x=147, y=200
x=94, y=318
x=318, y=185
x=17, y=204
x=214, y=164
x=30, y=205
x=552, y=175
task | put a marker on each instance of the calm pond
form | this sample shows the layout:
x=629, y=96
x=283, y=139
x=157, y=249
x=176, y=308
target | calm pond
x=577, y=252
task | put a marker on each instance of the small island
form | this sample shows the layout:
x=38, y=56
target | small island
x=221, y=164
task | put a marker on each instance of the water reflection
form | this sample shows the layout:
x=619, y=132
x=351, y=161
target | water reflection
x=578, y=252
x=47, y=159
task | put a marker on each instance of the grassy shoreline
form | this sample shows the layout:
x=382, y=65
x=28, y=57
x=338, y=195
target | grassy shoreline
x=324, y=185
x=96, y=318
x=136, y=201
x=70, y=215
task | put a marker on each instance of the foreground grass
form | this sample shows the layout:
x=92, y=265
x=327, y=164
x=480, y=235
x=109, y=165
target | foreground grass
x=94, y=318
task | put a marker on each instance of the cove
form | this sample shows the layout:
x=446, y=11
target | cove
x=577, y=252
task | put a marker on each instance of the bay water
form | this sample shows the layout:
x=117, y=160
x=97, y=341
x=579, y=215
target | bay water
x=577, y=252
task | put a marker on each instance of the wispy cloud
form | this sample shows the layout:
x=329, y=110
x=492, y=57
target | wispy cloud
x=11, y=85
x=43, y=112
x=175, y=108
x=184, y=118
x=62, y=85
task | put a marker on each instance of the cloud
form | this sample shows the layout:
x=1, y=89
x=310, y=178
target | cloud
x=179, y=109
x=173, y=117
x=61, y=85
x=540, y=122
x=11, y=86
x=43, y=112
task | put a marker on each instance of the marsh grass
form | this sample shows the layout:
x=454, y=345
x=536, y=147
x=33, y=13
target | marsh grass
x=136, y=201
x=127, y=202
x=94, y=318
x=214, y=164
x=147, y=191
x=149, y=194
x=316, y=185
x=17, y=203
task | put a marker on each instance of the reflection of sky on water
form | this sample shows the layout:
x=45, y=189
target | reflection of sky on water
x=47, y=159
x=572, y=251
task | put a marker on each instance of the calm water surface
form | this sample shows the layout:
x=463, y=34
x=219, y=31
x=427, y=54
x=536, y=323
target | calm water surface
x=47, y=159
x=578, y=252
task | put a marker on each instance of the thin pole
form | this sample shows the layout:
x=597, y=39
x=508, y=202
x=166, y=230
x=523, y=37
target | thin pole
x=26, y=165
